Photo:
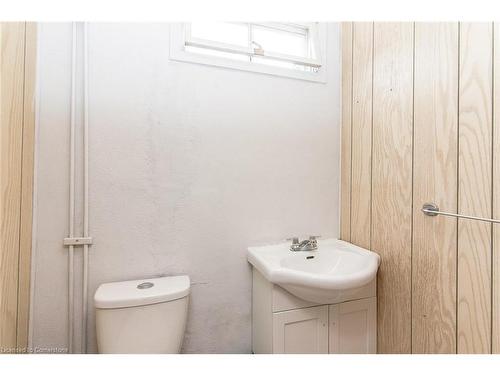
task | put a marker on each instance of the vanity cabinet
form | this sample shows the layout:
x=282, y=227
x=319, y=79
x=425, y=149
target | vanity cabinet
x=353, y=327
x=283, y=323
x=301, y=331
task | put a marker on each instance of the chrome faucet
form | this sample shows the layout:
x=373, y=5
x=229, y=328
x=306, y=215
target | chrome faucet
x=305, y=245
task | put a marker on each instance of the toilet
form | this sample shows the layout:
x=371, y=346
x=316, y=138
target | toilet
x=142, y=316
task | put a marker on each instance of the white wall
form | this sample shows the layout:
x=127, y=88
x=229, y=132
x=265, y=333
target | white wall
x=189, y=165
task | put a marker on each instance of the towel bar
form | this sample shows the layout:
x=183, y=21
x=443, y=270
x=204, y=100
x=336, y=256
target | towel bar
x=431, y=209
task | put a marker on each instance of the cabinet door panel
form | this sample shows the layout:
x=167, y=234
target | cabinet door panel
x=301, y=331
x=353, y=327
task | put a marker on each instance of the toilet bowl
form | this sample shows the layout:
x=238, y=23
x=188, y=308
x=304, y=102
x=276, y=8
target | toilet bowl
x=142, y=316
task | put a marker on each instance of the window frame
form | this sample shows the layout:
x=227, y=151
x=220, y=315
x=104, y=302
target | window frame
x=180, y=36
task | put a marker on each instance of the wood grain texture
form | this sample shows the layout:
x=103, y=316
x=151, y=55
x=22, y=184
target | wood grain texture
x=361, y=133
x=27, y=187
x=495, y=332
x=434, y=258
x=11, y=137
x=392, y=181
x=345, y=168
x=475, y=188
x=447, y=277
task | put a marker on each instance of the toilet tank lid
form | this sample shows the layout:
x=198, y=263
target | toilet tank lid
x=141, y=292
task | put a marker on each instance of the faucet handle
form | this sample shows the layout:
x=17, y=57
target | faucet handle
x=314, y=237
x=295, y=240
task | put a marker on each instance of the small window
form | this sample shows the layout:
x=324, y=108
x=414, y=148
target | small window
x=289, y=49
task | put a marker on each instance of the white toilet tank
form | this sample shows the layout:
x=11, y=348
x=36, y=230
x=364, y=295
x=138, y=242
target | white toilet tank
x=142, y=316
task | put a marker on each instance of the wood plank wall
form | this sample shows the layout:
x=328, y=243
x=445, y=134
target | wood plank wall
x=345, y=178
x=391, y=182
x=496, y=191
x=17, y=71
x=361, y=133
x=475, y=187
x=11, y=137
x=420, y=125
x=435, y=169
x=28, y=162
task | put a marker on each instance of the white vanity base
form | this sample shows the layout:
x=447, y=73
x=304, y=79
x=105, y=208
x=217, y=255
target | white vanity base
x=283, y=323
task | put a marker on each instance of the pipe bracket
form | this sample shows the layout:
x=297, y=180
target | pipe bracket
x=77, y=241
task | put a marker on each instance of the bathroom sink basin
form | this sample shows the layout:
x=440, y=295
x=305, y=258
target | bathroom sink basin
x=336, y=267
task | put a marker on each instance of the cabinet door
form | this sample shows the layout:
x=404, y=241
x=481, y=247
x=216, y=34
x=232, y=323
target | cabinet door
x=301, y=331
x=353, y=327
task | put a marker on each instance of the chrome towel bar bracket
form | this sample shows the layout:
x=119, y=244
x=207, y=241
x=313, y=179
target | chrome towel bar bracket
x=431, y=209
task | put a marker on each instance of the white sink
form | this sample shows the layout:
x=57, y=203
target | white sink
x=320, y=276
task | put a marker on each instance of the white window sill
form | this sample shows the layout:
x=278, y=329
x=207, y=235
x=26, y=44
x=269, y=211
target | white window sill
x=178, y=53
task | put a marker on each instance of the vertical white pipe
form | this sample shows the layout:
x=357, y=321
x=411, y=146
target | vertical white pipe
x=86, y=185
x=72, y=194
